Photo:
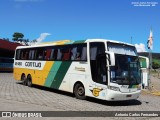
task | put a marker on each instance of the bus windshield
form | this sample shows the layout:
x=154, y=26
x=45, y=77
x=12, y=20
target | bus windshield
x=126, y=70
x=120, y=48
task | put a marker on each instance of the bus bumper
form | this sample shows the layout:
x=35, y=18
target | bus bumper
x=119, y=96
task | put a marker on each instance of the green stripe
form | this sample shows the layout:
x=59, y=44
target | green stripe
x=75, y=42
x=58, y=71
x=60, y=74
x=52, y=73
x=79, y=41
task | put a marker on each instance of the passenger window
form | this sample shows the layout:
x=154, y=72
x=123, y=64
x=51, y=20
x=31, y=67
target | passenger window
x=18, y=53
x=66, y=53
x=47, y=53
x=84, y=53
x=24, y=55
x=73, y=53
x=31, y=54
x=79, y=52
x=39, y=53
x=59, y=55
x=54, y=53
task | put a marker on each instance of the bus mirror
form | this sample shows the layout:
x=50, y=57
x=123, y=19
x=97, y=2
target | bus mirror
x=144, y=62
x=111, y=58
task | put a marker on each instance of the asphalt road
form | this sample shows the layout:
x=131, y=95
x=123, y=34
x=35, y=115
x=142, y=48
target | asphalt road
x=16, y=97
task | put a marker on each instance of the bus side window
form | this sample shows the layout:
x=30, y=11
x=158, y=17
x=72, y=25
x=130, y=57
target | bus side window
x=40, y=56
x=78, y=53
x=81, y=54
x=24, y=54
x=84, y=53
x=21, y=55
x=40, y=53
x=73, y=53
x=52, y=53
x=78, y=56
x=18, y=54
x=31, y=54
x=55, y=54
x=66, y=53
x=48, y=54
x=59, y=54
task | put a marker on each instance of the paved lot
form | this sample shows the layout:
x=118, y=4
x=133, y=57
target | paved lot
x=16, y=97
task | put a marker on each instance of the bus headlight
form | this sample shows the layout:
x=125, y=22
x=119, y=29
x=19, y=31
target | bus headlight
x=114, y=88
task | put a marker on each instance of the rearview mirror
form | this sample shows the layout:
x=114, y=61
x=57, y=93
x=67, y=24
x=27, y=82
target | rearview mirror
x=111, y=58
x=144, y=62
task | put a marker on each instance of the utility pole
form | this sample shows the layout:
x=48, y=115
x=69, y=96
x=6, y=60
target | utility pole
x=150, y=47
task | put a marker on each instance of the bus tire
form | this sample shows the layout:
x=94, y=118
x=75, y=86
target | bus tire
x=23, y=79
x=29, y=81
x=79, y=91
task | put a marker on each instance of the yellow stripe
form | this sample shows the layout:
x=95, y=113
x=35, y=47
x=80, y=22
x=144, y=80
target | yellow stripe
x=38, y=76
x=60, y=42
x=17, y=73
x=44, y=73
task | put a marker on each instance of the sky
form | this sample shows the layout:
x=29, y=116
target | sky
x=50, y=20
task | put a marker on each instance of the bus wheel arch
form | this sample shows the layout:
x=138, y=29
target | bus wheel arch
x=23, y=79
x=79, y=90
x=29, y=80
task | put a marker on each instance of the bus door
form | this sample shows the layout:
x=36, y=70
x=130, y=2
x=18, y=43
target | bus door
x=98, y=69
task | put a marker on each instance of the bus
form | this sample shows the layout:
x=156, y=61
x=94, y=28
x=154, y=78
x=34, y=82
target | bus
x=6, y=64
x=100, y=68
x=144, y=63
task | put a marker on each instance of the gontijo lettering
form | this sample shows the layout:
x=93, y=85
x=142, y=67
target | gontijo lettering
x=33, y=64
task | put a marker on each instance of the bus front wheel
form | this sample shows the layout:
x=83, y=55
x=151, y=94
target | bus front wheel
x=29, y=81
x=79, y=91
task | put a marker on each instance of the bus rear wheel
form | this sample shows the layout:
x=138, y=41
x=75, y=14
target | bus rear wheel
x=23, y=79
x=79, y=91
x=29, y=81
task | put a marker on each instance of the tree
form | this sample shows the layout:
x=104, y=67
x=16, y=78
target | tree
x=33, y=41
x=17, y=37
x=26, y=41
x=155, y=64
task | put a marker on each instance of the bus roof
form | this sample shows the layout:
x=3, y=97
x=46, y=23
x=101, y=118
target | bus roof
x=108, y=40
x=62, y=42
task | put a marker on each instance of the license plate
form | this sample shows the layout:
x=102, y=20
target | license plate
x=128, y=95
x=124, y=86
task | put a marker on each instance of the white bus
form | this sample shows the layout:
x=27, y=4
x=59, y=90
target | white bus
x=99, y=68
